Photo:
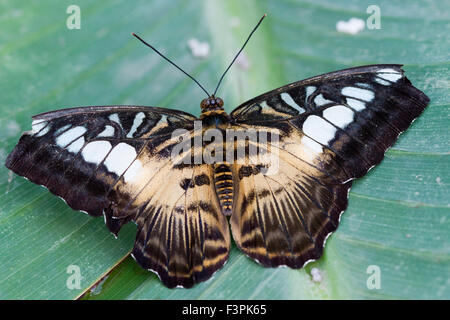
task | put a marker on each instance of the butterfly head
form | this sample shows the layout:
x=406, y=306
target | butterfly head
x=212, y=110
x=211, y=103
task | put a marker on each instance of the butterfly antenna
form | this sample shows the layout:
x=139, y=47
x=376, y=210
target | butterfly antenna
x=251, y=33
x=167, y=59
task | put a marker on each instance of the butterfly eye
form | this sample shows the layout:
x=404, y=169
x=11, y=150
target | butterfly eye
x=204, y=103
x=219, y=102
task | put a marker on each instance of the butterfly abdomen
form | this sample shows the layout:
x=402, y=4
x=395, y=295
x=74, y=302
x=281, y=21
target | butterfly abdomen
x=223, y=181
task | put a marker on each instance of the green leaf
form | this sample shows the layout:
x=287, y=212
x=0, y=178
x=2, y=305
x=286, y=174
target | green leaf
x=397, y=217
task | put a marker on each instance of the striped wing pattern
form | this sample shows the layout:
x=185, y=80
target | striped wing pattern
x=182, y=234
x=284, y=217
x=333, y=129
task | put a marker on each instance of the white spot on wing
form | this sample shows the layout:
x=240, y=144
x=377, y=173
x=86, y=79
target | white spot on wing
x=43, y=131
x=132, y=171
x=356, y=104
x=264, y=104
x=383, y=82
x=309, y=91
x=362, y=94
x=115, y=117
x=37, y=125
x=68, y=136
x=310, y=143
x=163, y=119
x=393, y=77
x=318, y=129
x=288, y=99
x=136, y=123
x=339, y=115
x=108, y=132
x=320, y=100
x=40, y=127
x=76, y=145
x=64, y=128
x=96, y=151
x=388, y=70
x=120, y=158
x=364, y=85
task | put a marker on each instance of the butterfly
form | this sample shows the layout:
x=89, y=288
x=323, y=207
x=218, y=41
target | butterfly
x=120, y=162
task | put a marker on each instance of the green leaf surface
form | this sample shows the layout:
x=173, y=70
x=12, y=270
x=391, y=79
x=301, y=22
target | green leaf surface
x=398, y=215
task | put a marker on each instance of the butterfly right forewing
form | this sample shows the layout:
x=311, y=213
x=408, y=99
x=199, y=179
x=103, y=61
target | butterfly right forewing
x=355, y=113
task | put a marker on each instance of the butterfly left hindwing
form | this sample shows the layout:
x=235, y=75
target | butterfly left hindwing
x=182, y=234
